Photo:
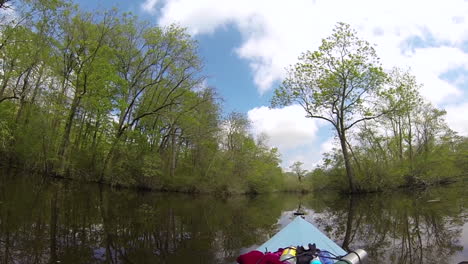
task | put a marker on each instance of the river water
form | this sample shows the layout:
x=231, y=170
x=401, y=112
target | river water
x=57, y=221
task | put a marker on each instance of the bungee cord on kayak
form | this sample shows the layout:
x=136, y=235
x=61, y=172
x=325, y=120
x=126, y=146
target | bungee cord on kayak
x=306, y=257
x=289, y=245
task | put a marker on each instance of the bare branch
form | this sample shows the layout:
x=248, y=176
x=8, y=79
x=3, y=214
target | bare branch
x=364, y=119
x=8, y=98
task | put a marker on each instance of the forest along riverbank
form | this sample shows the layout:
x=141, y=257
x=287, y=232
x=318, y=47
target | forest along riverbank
x=104, y=96
x=45, y=221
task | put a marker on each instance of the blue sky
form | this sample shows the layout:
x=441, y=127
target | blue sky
x=224, y=70
x=247, y=44
x=228, y=73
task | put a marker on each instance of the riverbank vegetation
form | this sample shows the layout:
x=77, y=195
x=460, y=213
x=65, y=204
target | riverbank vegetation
x=414, y=150
x=388, y=134
x=106, y=97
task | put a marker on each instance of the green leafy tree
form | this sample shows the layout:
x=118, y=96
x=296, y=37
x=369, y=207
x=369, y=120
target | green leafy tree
x=403, y=99
x=156, y=67
x=297, y=169
x=82, y=43
x=84, y=91
x=338, y=83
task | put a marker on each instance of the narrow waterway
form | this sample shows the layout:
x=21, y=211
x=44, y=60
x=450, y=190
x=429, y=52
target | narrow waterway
x=45, y=221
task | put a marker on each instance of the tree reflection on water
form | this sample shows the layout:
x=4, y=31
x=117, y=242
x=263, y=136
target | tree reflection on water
x=400, y=227
x=68, y=222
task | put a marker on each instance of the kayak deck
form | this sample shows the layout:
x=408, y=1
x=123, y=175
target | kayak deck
x=300, y=232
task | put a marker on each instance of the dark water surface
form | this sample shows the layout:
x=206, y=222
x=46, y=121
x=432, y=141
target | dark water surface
x=68, y=222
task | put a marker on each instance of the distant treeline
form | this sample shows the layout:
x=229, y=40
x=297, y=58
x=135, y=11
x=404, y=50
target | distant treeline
x=105, y=97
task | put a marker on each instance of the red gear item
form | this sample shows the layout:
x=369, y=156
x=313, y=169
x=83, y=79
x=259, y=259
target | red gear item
x=257, y=257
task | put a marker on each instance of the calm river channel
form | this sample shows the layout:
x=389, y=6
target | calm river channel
x=57, y=221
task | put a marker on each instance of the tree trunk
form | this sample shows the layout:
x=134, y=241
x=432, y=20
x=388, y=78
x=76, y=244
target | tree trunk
x=23, y=95
x=66, y=134
x=410, y=142
x=61, y=101
x=173, y=152
x=35, y=92
x=347, y=160
x=94, y=143
x=400, y=139
x=79, y=136
x=109, y=156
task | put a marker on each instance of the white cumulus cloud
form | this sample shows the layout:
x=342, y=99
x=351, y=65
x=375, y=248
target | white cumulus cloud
x=149, y=5
x=286, y=128
x=275, y=32
x=457, y=118
x=291, y=132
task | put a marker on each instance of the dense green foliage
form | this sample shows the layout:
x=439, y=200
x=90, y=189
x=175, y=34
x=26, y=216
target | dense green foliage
x=105, y=97
x=388, y=135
